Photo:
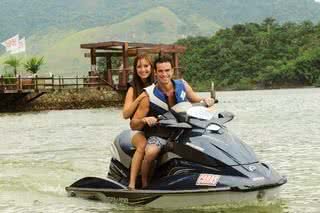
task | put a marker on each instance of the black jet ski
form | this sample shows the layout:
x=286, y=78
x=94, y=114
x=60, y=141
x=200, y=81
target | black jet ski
x=204, y=163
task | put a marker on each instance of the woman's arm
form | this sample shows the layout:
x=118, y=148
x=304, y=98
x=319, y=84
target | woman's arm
x=139, y=119
x=131, y=104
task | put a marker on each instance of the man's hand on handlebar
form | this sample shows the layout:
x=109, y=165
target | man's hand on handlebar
x=150, y=121
x=208, y=101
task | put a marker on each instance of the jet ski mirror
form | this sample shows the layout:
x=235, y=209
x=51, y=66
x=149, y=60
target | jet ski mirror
x=225, y=117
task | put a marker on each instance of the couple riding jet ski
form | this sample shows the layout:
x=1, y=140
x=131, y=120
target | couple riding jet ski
x=203, y=163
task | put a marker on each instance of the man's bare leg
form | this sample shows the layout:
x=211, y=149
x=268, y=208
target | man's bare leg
x=151, y=153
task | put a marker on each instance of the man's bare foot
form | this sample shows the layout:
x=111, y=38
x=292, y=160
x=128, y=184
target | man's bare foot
x=130, y=188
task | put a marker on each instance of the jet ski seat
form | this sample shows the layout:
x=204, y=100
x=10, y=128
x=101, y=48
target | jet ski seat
x=125, y=142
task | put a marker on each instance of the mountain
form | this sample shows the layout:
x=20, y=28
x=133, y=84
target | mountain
x=28, y=17
x=56, y=28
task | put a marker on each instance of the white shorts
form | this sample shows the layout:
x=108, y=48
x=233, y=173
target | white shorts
x=134, y=132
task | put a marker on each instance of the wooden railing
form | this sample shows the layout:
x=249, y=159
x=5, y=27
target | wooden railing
x=115, y=78
x=48, y=83
x=118, y=78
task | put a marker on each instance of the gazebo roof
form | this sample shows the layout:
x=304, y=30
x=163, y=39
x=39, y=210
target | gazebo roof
x=133, y=47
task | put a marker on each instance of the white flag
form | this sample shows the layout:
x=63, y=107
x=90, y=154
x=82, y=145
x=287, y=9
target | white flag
x=21, y=46
x=11, y=43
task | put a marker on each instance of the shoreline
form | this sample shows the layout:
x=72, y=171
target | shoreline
x=84, y=98
x=252, y=89
x=93, y=98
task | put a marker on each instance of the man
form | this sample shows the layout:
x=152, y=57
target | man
x=161, y=96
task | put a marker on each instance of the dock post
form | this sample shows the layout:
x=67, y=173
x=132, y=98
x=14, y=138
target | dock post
x=77, y=83
x=59, y=83
x=36, y=83
x=19, y=85
x=1, y=82
x=52, y=82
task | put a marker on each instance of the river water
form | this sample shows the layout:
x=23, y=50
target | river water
x=42, y=152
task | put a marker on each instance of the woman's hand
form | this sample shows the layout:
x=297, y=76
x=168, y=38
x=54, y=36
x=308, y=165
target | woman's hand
x=141, y=96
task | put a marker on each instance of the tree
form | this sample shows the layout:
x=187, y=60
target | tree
x=268, y=54
x=13, y=62
x=33, y=64
x=269, y=23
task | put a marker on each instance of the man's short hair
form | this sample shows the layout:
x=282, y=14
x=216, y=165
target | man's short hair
x=163, y=59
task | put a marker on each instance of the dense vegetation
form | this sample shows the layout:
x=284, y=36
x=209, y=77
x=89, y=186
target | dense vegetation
x=254, y=55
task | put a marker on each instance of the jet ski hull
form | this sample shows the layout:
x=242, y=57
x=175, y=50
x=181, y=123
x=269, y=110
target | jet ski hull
x=176, y=198
x=108, y=190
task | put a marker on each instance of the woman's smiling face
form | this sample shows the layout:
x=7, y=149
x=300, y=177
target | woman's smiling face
x=143, y=69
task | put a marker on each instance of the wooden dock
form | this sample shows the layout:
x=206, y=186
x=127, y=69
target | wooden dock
x=21, y=90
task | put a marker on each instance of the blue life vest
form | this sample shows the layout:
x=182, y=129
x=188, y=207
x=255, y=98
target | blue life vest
x=158, y=100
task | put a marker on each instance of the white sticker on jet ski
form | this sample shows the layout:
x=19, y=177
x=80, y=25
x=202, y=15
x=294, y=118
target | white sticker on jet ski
x=207, y=180
x=258, y=179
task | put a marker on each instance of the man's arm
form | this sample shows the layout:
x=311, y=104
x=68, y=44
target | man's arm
x=139, y=119
x=191, y=95
x=194, y=97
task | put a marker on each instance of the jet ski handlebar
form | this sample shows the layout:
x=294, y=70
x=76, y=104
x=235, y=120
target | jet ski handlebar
x=182, y=120
x=169, y=120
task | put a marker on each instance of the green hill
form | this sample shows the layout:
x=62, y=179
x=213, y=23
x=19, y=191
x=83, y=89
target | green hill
x=63, y=55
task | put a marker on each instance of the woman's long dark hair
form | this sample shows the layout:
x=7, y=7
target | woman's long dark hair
x=137, y=83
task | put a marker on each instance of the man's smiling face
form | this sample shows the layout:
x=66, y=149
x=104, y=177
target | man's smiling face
x=164, y=72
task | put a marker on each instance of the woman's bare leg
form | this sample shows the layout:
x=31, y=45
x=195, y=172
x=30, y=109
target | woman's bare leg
x=139, y=141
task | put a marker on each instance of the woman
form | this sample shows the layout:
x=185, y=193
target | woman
x=142, y=77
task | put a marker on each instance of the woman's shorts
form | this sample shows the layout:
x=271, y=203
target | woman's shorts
x=160, y=142
x=134, y=132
